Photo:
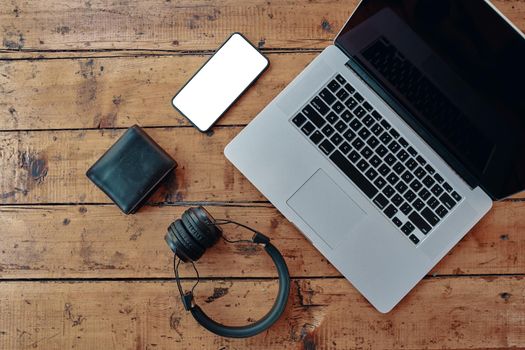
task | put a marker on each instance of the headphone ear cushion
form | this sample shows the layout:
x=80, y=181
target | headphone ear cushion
x=175, y=245
x=201, y=236
x=194, y=250
x=205, y=219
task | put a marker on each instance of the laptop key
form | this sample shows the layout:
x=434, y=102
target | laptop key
x=420, y=172
x=412, y=151
x=429, y=215
x=349, y=88
x=380, y=201
x=327, y=96
x=308, y=128
x=456, y=196
x=388, y=191
x=409, y=196
x=414, y=239
x=418, y=204
x=333, y=86
x=362, y=165
x=411, y=164
x=390, y=210
x=342, y=94
x=351, y=103
x=416, y=185
x=429, y=168
x=424, y=194
x=407, y=228
x=366, y=152
x=394, y=146
x=368, y=120
x=328, y=130
x=447, y=187
x=346, y=116
x=399, y=168
x=368, y=106
x=371, y=173
x=394, y=133
x=429, y=181
x=397, y=199
x=419, y=222
x=385, y=137
x=441, y=211
x=385, y=124
x=438, y=178
x=364, y=133
x=332, y=117
x=372, y=142
x=299, y=119
x=437, y=190
x=407, y=176
x=392, y=178
x=340, y=79
x=377, y=115
x=375, y=161
x=327, y=147
x=379, y=182
x=336, y=139
x=316, y=137
x=401, y=187
x=384, y=169
x=377, y=129
x=319, y=105
x=381, y=150
x=354, y=157
x=390, y=159
x=402, y=155
x=447, y=200
x=396, y=221
x=406, y=208
x=345, y=147
x=355, y=124
x=359, y=112
x=349, y=170
x=358, y=97
x=338, y=107
x=421, y=160
x=358, y=144
x=433, y=202
x=402, y=142
x=349, y=135
x=314, y=117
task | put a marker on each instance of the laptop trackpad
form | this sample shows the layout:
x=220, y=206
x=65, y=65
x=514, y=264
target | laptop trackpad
x=326, y=208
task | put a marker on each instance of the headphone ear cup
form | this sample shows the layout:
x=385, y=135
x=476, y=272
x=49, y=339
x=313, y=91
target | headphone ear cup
x=175, y=245
x=201, y=236
x=193, y=249
x=204, y=218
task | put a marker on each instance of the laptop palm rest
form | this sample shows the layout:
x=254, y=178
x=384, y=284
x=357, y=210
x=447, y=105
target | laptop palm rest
x=326, y=208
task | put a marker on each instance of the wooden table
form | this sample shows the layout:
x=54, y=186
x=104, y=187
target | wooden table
x=77, y=273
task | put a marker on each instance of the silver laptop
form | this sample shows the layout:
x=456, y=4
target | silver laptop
x=390, y=146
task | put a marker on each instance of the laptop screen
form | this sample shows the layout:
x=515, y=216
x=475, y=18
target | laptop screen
x=458, y=69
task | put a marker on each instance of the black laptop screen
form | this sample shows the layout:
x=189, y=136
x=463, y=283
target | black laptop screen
x=458, y=68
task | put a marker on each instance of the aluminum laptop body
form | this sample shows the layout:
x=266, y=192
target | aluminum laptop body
x=309, y=175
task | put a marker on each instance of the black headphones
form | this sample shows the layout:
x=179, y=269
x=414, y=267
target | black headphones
x=190, y=236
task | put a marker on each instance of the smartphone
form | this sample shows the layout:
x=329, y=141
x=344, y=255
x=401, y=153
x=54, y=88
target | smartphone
x=220, y=82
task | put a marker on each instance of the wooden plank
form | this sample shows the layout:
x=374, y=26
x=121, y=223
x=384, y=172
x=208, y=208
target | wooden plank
x=179, y=25
x=50, y=166
x=100, y=242
x=120, y=92
x=444, y=313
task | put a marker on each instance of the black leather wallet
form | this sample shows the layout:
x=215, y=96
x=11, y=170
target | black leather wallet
x=131, y=170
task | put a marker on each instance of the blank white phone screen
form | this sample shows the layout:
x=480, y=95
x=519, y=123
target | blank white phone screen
x=219, y=82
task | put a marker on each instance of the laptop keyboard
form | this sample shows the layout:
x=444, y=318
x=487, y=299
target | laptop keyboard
x=377, y=159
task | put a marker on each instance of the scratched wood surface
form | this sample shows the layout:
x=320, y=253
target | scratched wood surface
x=76, y=273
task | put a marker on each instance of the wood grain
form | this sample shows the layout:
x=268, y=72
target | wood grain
x=444, y=313
x=98, y=241
x=179, y=25
x=120, y=92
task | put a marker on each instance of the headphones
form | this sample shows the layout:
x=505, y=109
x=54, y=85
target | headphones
x=190, y=236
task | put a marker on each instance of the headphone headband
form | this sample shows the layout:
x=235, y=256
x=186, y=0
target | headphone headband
x=194, y=232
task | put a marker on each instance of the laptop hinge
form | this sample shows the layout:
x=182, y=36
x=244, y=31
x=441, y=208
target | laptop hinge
x=354, y=64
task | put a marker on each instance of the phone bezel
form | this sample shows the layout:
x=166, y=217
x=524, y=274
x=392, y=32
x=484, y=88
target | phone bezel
x=236, y=98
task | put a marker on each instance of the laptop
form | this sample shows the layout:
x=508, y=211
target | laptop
x=395, y=141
